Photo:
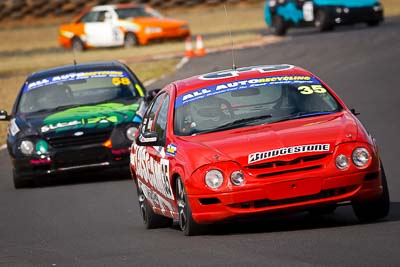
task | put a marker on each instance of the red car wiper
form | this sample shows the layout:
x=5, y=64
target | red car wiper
x=304, y=114
x=235, y=124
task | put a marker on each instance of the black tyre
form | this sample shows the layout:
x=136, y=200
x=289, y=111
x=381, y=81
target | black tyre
x=368, y=211
x=150, y=219
x=279, y=26
x=322, y=22
x=77, y=44
x=130, y=40
x=188, y=226
x=21, y=182
x=322, y=210
x=373, y=23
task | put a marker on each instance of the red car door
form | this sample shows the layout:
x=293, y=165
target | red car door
x=153, y=164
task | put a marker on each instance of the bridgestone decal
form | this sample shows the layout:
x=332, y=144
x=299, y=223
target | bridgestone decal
x=258, y=156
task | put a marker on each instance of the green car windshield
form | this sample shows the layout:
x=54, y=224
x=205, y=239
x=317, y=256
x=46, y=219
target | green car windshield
x=77, y=89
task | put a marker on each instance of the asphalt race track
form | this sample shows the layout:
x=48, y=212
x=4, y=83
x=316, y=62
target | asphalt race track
x=95, y=222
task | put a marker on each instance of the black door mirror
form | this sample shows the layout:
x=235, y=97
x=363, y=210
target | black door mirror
x=147, y=139
x=353, y=110
x=150, y=95
x=4, y=115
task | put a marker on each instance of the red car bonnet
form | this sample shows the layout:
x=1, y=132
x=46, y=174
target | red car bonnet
x=276, y=141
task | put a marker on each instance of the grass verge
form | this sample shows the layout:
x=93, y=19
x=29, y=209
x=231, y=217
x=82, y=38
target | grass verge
x=22, y=63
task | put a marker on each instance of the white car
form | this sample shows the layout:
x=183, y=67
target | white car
x=118, y=25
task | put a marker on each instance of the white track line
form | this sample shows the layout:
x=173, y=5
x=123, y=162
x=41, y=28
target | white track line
x=178, y=66
x=182, y=63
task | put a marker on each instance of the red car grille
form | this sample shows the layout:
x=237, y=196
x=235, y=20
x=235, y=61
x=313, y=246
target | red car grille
x=323, y=194
x=87, y=139
x=284, y=167
x=262, y=203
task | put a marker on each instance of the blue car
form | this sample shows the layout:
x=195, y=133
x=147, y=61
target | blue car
x=323, y=14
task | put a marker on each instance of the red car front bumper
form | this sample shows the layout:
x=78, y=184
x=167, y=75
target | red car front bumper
x=286, y=196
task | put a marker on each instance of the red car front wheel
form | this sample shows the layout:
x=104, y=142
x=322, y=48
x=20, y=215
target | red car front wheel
x=375, y=209
x=188, y=226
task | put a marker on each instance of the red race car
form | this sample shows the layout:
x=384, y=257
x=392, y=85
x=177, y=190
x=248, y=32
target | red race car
x=253, y=140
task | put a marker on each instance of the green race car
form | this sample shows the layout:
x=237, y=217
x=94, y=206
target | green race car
x=75, y=118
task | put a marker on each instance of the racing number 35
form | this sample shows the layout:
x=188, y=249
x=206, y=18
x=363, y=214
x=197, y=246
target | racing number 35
x=315, y=88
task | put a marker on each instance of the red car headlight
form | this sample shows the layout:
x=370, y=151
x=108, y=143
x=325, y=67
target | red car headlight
x=222, y=176
x=237, y=178
x=214, y=179
x=342, y=162
x=354, y=156
x=361, y=157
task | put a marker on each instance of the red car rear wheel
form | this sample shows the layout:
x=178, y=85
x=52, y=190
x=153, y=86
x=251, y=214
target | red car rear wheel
x=150, y=219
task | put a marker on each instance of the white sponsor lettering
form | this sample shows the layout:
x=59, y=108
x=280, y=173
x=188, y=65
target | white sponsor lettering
x=196, y=94
x=49, y=127
x=147, y=139
x=38, y=83
x=64, y=77
x=262, y=81
x=155, y=199
x=75, y=76
x=153, y=172
x=258, y=156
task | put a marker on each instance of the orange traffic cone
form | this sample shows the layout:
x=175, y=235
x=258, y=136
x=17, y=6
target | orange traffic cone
x=188, y=47
x=200, y=51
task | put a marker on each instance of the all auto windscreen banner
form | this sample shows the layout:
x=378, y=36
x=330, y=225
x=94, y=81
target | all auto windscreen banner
x=242, y=85
x=74, y=77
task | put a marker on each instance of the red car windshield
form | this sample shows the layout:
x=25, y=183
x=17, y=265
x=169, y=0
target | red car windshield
x=251, y=102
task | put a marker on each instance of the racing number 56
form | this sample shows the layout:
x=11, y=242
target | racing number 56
x=119, y=81
x=315, y=88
